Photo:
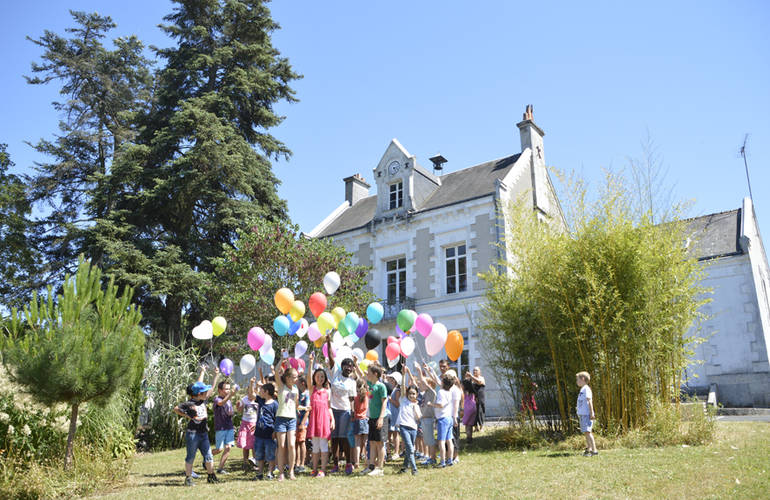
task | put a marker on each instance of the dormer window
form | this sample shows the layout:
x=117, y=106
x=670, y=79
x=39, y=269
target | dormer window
x=396, y=195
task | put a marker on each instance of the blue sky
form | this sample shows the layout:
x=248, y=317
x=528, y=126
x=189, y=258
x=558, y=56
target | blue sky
x=454, y=77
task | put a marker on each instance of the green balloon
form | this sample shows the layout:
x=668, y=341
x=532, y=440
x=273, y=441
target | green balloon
x=343, y=329
x=406, y=319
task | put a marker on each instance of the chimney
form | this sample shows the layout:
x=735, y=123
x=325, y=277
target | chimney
x=531, y=134
x=356, y=189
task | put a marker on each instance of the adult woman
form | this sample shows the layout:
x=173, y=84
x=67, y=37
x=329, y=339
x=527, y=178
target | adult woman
x=479, y=383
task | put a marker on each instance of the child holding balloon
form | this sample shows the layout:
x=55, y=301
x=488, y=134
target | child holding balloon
x=286, y=418
x=248, y=407
x=223, y=423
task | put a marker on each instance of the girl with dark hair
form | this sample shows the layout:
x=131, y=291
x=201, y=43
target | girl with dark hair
x=321, y=419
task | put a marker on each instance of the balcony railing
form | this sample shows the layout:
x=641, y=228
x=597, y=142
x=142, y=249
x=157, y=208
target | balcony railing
x=393, y=307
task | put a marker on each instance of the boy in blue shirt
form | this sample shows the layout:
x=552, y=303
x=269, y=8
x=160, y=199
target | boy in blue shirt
x=264, y=444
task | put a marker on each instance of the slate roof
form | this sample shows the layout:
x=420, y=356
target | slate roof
x=456, y=187
x=715, y=235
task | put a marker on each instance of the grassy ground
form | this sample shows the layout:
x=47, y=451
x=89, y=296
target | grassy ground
x=735, y=466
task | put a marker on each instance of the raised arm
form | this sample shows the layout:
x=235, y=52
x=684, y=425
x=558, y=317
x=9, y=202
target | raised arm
x=278, y=381
x=329, y=351
x=214, y=383
x=421, y=383
x=431, y=374
x=309, y=370
x=357, y=369
x=202, y=373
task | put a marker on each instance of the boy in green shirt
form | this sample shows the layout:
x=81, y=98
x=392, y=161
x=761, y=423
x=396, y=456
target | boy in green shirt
x=378, y=423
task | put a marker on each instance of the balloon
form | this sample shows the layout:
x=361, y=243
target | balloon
x=405, y=319
x=393, y=362
x=392, y=351
x=372, y=338
x=407, y=346
x=319, y=342
x=294, y=362
x=350, y=340
x=325, y=350
x=267, y=345
x=247, y=364
x=301, y=365
x=255, y=338
x=392, y=339
x=218, y=325
x=372, y=355
x=454, y=345
x=326, y=322
x=401, y=333
x=358, y=353
x=423, y=324
x=339, y=314
x=284, y=300
x=269, y=356
x=331, y=282
x=436, y=340
x=343, y=352
x=375, y=312
x=300, y=349
x=317, y=303
x=343, y=329
x=303, y=327
x=313, y=333
x=293, y=326
x=351, y=321
x=364, y=365
x=200, y=332
x=362, y=327
x=337, y=339
x=281, y=325
x=226, y=367
x=297, y=310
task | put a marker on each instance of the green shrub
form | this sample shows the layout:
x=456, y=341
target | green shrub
x=28, y=434
x=110, y=427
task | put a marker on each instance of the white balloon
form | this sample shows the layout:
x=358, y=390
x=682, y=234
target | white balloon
x=358, y=353
x=300, y=349
x=200, y=332
x=337, y=339
x=407, y=346
x=268, y=356
x=350, y=340
x=393, y=362
x=331, y=282
x=267, y=346
x=343, y=352
x=247, y=364
x=303, y=328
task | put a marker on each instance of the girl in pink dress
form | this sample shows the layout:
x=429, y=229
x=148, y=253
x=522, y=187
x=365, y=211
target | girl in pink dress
x=469, y=409
x=321, y=420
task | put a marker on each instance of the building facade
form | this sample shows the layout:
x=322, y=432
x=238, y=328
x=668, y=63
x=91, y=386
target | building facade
x=426, y=236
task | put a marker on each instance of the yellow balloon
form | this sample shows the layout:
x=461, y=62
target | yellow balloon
x=297, y=310
x=326, y=322
x=319, y=342
x=339, y=315
x=218, y=325
x=364, y=365
x=284, y=299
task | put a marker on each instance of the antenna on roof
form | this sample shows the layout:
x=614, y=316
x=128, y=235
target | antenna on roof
x=746, y=164
x=438, y=163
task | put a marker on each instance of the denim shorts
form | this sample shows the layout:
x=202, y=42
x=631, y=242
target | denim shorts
x=285, y=424
x=586, y=424
x=341, y=422
x=360, y=427
x=264, y=449
x=195, y=441
x=428, y=432
x=444, y=429
x=224, y=438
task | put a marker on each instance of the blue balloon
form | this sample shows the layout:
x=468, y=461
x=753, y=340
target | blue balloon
x=375, y=312
x=293, y=325
x=281, y=325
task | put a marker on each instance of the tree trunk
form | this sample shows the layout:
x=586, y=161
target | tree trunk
x=68, y=459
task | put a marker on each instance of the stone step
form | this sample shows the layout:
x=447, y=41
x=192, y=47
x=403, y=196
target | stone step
x=743, y=411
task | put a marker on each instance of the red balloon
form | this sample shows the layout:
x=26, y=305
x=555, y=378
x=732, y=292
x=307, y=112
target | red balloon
x=393, y=340
x=392, y=351
x=317, y=303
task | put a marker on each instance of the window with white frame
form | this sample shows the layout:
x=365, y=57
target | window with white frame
x=396, y=195
x=395, y=271
x=456, y=269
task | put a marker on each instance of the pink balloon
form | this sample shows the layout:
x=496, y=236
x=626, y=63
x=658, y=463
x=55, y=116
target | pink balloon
x=313, y=333
x=392, y=351
x=255, y=338
x=325, y=349
x=392, y=340
x=423, y=324
x=436, y=340
x=294, y=363
x=301, y=365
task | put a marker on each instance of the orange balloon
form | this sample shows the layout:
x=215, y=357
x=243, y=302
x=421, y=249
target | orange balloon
x=454, y=345
x=284, y=299
x=320, y=342
x=372, y=355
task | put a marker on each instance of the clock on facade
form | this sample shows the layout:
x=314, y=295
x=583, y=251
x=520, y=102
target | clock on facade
x=394, y=167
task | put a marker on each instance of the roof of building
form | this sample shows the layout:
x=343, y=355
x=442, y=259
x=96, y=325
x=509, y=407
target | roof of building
x=456, y=187
x=715, y=235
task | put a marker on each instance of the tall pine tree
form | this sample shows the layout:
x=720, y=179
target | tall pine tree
x=201, y=168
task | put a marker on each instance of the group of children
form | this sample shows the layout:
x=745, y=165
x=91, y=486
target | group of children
x=347, y=414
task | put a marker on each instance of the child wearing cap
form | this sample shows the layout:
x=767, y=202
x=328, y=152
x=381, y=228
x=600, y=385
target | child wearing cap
x=197, y=434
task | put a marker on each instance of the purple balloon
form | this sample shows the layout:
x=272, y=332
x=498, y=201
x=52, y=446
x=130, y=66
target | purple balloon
x=362, y=328
x=400, y=332
x=226, y=367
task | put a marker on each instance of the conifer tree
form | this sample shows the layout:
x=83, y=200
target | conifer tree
x=79, y=346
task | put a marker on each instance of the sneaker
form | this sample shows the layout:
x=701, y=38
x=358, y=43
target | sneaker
x=450, y=463
x=456, y=461
x=194, y=475
x=402, y=470
x=376, y=472
x=269, y=476
x=299, y=469
x=587, y=453
x=439, y=465
x=414, y=472
x=252, y=461
x=594, y=453
x=428, y=461
x=212, y=478
x=320, y=474
x=366, y=471
x=188, y=481
x=222, y=471
x=259, y=477
x=348, y=469
x=335, y=470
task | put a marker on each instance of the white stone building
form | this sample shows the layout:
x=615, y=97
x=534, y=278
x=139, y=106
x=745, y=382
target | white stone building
x=427, y=236
x=733, y=361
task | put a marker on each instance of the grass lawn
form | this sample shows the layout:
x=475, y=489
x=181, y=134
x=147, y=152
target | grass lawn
x=737, y=465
